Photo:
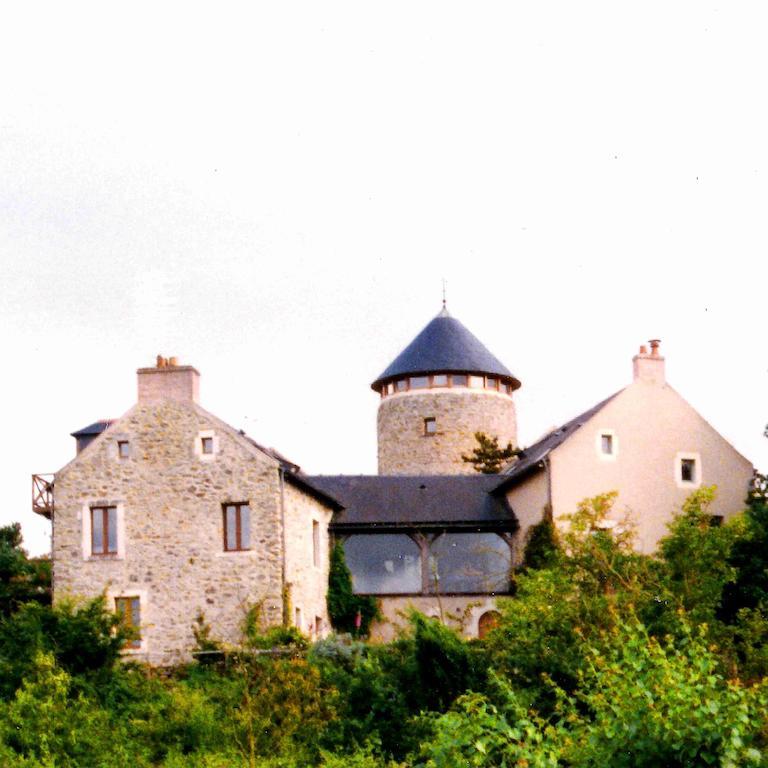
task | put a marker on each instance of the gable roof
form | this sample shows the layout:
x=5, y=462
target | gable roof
x=444, y=345
x=530, y=459
x=417, y=501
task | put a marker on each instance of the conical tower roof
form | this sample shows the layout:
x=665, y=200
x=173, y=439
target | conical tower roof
x=445, y=346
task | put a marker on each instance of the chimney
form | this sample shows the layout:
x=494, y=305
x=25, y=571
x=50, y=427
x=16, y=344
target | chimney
x=168, y=381
x=649, y=366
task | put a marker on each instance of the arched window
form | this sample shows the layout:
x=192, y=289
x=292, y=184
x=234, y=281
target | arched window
x=469, y=562
x=383, y=563
x=488, y=621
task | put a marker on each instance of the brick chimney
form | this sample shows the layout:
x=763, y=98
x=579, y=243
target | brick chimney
x=168, y=381
x=649, y=366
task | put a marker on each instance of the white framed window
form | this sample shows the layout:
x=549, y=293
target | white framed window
x=102, y=526
x=132, y=606
x=607, y=445
x=688, y=470
x=206, y=445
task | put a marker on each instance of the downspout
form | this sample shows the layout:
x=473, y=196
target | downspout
x=548, y=470
x=283, y=582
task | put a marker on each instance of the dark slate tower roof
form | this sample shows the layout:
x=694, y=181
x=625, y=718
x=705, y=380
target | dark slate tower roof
x=444, y=346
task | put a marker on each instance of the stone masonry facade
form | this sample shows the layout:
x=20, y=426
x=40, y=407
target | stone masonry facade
x=170, y=527
x=406, y=449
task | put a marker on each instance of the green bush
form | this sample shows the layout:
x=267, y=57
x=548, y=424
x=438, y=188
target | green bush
x=345, y=608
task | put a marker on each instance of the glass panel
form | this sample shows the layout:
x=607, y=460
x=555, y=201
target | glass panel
x=97, y=528
x=688, y=470
x=430, y=426
x=607, y=443
x=122, y=447
x=469, y=562
x=458, y=380
x=230, y=522
x=440, y=380
x=383, y=563
x=419, y=382
x=207, y=445
x=402, y=385
x=112, y=529
x=476, y=382
x=245, y=527
x=491, y=383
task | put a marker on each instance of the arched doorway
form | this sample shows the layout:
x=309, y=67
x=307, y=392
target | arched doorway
x=488, y=621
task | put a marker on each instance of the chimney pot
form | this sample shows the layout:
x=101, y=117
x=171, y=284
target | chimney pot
x=160, y=361
x=173, y=361
x=655, y=347
x=643, y=349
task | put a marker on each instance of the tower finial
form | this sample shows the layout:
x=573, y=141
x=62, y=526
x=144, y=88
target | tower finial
x=443, y=293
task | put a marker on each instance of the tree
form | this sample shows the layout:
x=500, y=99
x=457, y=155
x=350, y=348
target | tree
x=348, y=612
x=487, y=457
x=21, y=579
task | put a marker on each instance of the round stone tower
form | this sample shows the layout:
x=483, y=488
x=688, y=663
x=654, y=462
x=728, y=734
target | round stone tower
x=440, y=390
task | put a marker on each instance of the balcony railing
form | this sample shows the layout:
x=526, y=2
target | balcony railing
x=42, y=495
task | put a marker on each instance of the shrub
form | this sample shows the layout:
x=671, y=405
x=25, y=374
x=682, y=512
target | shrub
x=345, y=608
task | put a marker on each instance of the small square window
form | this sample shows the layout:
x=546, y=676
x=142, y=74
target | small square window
x=430, y=425
x=688, y=470
x=401, y=385
x=458, y=380
x=206, y=444
x=491, y=382
x=419, y=382
x=440, y=380
x=123, y=449
x=606, y=444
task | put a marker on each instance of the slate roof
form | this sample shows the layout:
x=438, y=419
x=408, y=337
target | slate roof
x=93, y=429
x=529, y=460
x=444, y=345
x=420, y=501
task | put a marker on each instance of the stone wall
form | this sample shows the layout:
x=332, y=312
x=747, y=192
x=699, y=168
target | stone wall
x=170, y=520
x=405, y=449
x=459, y=613
x=307, y=579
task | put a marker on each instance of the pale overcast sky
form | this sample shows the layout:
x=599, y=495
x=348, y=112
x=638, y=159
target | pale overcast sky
x=274, y=192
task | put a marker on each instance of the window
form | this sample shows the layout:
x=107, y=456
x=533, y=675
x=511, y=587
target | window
x=491, y=382
x=402, y=385
x=315, y=543
x=297, y=618
x=103, y=530
x=476, y=382
x=607, y=445
x=487, y=622
x=237, y=527
x=688, y=470
x=384, y=563
x=129, y=610
x=469, y=563
x=440, y=380
x=419, y=382
x=123, y=449
x=206, y=445
x=319, y=626
x=430, y=426
x=458, y=380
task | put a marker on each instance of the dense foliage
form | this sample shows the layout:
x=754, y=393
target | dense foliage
x=349, y=613
x=604, y=657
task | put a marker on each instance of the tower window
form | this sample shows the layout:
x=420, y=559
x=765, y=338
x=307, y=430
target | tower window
x=440, y=380
x=430, y=426
x=491, y=382
x=476, y=382
x=402, y=385
x=123, y=449
x=419, y=382
x=458, y=380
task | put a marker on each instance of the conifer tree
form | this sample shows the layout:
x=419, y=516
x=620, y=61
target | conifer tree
x=488, y=457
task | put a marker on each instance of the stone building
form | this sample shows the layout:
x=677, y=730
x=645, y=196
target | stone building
x=171, y=512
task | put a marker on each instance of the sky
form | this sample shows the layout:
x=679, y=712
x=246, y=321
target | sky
x=274, y=193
